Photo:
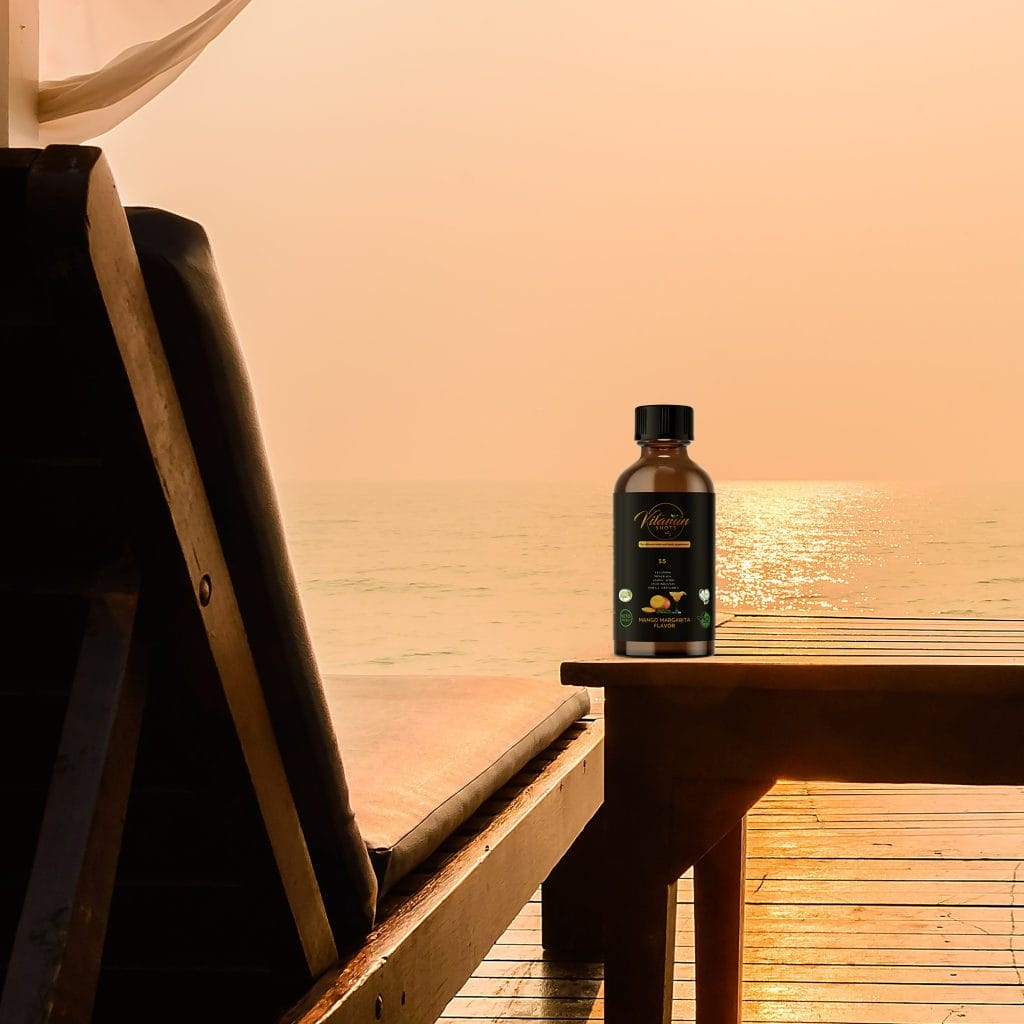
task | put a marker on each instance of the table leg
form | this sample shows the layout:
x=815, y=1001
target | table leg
x=641, y=944
x=659, y=824
x=718, y=905
x=640, y=878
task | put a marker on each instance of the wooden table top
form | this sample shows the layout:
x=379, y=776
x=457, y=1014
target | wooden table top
x=841, y=651
x=846, y=698
x=694, y=743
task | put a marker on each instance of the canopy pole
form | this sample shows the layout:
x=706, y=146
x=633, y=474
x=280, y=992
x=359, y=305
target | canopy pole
x=19, y=83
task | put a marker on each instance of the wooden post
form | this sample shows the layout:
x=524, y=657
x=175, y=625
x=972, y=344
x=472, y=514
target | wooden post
x=718, y=904
x=55, y=961
x=572, y=911
x=19, y=83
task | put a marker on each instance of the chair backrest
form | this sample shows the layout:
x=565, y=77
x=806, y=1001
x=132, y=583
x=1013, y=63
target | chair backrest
x=213, y=388
x=100, y=512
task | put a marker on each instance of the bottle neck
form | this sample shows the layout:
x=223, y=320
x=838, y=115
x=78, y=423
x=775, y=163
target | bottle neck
x=663, y=448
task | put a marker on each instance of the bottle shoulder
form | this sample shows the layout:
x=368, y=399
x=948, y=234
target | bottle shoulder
x=669, y=475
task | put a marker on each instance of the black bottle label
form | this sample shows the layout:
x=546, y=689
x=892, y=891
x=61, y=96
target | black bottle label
x=664, y=588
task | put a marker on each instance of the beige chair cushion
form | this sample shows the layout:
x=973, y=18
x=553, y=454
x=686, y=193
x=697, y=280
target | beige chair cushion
x=422, y=753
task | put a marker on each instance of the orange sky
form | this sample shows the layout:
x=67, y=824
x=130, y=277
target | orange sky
x=461, y=239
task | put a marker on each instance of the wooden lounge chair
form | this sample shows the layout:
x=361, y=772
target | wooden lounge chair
x=178, y=837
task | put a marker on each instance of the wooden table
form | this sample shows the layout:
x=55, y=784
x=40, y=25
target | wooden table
x=692, y=744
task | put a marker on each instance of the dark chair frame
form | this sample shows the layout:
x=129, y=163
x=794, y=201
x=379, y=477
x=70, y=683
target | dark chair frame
x=438, y=925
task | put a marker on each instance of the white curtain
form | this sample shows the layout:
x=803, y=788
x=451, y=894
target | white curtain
x=100, y=60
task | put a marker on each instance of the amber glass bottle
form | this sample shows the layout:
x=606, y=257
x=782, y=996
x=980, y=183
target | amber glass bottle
x=664, y=541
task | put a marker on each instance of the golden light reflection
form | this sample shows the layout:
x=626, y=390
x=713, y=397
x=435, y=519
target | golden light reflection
x=792, y=546
x=528, y=584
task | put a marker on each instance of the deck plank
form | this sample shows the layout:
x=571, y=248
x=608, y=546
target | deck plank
x=867, y=904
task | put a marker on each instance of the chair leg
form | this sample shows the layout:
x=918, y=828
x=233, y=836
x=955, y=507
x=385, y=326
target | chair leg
x=718, y=899
x=572, y=905
x=55, y=961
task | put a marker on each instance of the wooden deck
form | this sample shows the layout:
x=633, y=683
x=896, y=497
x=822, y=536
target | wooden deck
x=878, y=904
x=866, y=903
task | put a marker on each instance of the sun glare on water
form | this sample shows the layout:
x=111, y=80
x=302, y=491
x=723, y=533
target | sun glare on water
x=795, y=546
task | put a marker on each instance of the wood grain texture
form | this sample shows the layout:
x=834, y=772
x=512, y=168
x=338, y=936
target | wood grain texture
x=834, y=652
x=693, y=743
x=445, y=917
x=68, y=178
x=820, y=960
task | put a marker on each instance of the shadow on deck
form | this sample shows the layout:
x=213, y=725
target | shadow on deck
x=866, y=904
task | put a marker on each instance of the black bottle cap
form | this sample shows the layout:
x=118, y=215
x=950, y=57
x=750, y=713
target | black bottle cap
x=674, y=422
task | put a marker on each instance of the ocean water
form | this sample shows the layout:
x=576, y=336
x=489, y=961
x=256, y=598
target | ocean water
x=511, y=579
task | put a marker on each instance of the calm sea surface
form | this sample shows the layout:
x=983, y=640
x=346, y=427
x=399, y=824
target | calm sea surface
x=511, y=579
